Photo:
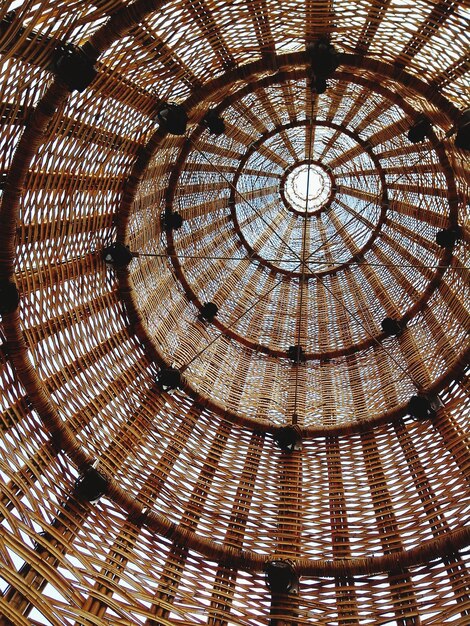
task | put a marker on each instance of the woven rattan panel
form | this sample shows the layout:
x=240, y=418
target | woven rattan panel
x=373, y=511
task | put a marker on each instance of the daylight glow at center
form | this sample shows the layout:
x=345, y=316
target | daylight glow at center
x=307, y=191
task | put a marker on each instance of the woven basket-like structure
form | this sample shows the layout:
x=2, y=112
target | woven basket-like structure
x=197, y=495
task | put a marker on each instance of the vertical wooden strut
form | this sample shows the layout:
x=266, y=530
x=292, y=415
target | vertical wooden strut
x=175, y=564
x=224, y=585
x=67, y=525
x=301, y=314
x=340, y=532
x=284, y=608
x=374, y=511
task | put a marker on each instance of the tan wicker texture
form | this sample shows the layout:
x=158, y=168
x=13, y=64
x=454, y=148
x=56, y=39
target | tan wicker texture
x=374, y=510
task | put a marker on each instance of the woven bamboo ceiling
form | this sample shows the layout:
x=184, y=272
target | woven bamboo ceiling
x=308, y=222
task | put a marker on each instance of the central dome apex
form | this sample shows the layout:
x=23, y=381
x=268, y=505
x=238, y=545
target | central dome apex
x=275, y=283
x=307, y=187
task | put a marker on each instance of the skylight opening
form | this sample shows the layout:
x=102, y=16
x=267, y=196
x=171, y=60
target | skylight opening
x=307, y=187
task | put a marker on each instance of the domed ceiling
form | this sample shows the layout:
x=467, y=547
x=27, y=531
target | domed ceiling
x=310, y=222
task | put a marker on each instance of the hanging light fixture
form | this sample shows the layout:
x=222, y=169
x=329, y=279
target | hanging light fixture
x=173, y=220
x=446, y=238
x=462, y=139
x=420, y=130
x=91, y=485
x=281, y=576
x=169, y=378
x=173, y=118
x=296, y=354
x=214, y=122
x=319, y=85
x=421, y=408
x=117, y=254
x=289, y=438
x=208, y=311
x=323, y=58
x=74, y=68
x=9, y=297
x=391, y=326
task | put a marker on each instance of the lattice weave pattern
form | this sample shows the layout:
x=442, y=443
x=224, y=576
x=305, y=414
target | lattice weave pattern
x=308, y=221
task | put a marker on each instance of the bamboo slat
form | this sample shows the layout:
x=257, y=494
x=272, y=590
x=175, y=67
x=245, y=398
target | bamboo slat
x=198, y=497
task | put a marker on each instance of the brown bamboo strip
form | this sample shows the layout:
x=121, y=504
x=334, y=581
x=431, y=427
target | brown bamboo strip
x=116, y=561
x=224, y=585
x=360, y=194
x=276, y=122
x=195, y=505
x=22, y=479
x=289, y=530
x=39, y=332
x=259, y=319
x=443, y=343
x=168, y=586
x=154, y=485
x=79, y=421
x=81, y=364
x=434, y=511
x=319, y=19
x=412, y=236
x=371, y=116
x=377, y=11
x=276, y=329
x=41, y=231
x=405, y=600
x=352, y=112
x=232, y=152
x=216, y=228
x=260, y=16
x=433, y=218
x=30, y=140
x=336, y=102
x=436, y=19
x=457, y=70
x=245, y=112
x=311, y=109
x=343, y=235
x=418, y=189
x=404, y=251
x=456, y=441
x=202, y=16
x=385, y=517
x=156, y=48
x=380, y=290
x=72, y=128
x=20, y=44
x=431, y=505
x=288, y=96
x=65, y=527
x=279, y=225
x=54, y=273
x=136, y=425
x=344, y=587
x=192, y=514
x=399, y=275
x=459, y=309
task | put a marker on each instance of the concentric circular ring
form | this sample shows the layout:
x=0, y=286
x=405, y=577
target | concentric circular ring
x=306, y=188
x=234, y=319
